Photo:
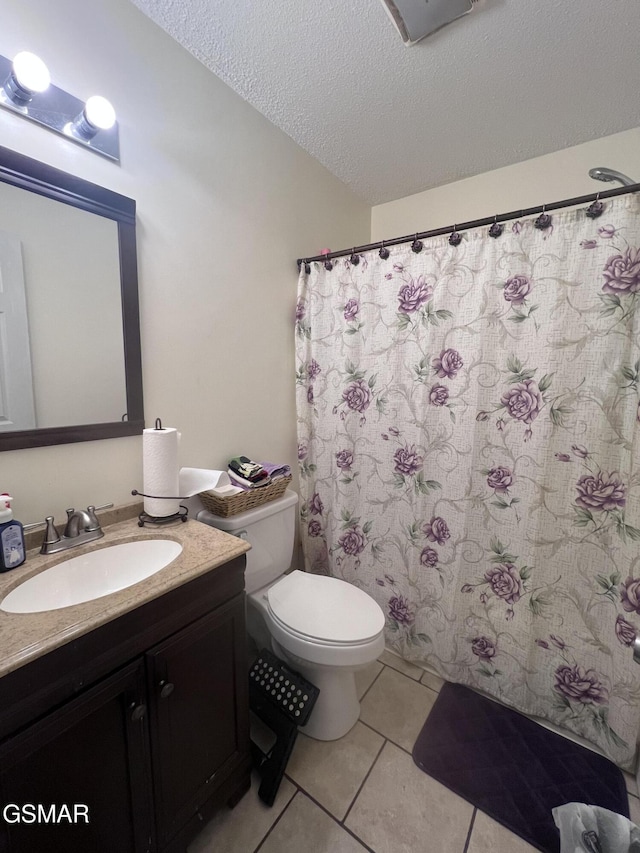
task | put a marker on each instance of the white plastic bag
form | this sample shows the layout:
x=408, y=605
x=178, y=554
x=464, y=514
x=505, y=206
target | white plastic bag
x=591, y=829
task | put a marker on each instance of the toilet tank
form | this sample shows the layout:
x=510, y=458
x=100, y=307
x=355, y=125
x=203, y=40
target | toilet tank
x=270, y=530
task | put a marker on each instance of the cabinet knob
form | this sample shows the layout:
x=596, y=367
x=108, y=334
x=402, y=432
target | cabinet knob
x=166, y=689
x=138, y=713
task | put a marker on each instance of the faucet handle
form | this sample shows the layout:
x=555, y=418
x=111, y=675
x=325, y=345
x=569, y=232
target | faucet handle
x=51, y=535
x=94, y=524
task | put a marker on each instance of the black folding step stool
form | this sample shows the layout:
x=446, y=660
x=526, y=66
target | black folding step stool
x=283, y=700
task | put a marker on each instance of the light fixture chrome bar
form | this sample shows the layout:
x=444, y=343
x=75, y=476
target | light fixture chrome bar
x=57, y=110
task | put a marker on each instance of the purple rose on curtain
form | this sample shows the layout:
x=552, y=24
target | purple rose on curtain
x=316, y=507
x=505, y=582
x=314, y=527
x=523, y=401
x=407, y=461
x=351, y=310
x=394, y=431
x=580, y=450
x=622, y=273
x=589, y=244
x=310, y=397
x=414, y=294
x=352, y=542
x=357, y=396
x=517, y=289
x=630, y=595
x=542, y=643
x=303, y=451
x=313, y=369
x=429, y=557
x=579, y=685
x=448, y=363
x=600, y=491
x=562, y=457
x=499, y=479
x=300, y=311
x=438, y=395
x=607, y=231
x=344, y=459
x=625, y=632
x=436, y=530
x=400, y=610
x=483, y=647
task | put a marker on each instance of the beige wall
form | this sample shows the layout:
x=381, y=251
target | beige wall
x=226, y=203
x=563, y=174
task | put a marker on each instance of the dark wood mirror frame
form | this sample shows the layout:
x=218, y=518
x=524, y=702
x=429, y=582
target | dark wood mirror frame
x=31, y=175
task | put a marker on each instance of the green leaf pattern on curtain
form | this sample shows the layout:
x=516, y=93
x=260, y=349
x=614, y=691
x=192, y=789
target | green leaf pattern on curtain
x=468, y=422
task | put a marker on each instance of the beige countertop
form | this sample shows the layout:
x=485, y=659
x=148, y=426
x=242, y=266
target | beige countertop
x=26, y=636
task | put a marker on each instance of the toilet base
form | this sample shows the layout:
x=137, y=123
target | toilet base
x=337, y=708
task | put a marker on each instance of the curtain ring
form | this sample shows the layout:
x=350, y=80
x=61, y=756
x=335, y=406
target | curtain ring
x=596, y=208
x=384, y=252
x=454, y=238
x=416, y=246
x=496, y=229
x=544, y=220
x=355, y=259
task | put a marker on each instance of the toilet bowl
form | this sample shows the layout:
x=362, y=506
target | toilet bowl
x=324, y=628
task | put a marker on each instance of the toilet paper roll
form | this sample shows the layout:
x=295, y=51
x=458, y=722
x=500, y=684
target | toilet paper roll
x=160, y=471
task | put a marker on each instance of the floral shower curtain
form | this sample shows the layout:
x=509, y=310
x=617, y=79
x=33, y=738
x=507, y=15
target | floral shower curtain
x=468, y=421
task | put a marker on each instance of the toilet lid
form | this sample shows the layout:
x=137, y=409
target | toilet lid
x=325, y=608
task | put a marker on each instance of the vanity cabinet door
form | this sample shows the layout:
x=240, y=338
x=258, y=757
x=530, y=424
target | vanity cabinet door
x=92, y=756
x=197, y=683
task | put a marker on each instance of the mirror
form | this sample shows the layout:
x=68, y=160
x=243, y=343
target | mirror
x=70, y=363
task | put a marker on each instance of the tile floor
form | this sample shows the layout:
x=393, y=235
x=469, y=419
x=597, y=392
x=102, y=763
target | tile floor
x=363, y=792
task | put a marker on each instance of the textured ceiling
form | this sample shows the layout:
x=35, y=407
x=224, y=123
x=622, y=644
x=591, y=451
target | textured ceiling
x=511, y=81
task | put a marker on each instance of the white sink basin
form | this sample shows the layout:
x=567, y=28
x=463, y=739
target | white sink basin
x=92, y=575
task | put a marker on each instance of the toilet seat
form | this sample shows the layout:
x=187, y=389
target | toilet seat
x=324, y=611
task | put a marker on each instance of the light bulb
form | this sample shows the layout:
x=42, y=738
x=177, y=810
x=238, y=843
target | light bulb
x=99, y=112
x=30, y=72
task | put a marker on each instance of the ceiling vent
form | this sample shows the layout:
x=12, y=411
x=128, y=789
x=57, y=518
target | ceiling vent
x=415, y=19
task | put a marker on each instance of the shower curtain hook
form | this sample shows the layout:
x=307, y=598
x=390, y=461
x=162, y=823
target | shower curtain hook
x=384, y=252
x=544, y=220
x=355, y=260
x=497, y=228
x=454, y=238
x=596, y=208
x=416, y=246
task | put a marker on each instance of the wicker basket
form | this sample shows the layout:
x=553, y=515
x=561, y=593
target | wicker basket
x=244, y=500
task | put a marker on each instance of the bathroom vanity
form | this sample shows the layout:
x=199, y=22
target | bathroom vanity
x=134, y=705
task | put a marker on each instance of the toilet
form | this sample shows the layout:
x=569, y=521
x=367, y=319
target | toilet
x=324, y=628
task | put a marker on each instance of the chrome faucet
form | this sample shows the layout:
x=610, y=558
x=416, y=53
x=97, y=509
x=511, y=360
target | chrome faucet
x=82, y=526
x=79, y=521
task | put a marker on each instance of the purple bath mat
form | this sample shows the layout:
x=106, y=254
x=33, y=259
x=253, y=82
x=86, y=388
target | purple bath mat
x=512, y=768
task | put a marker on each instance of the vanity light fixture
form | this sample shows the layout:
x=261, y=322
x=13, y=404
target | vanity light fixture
x=97, y=114
x=28, y=75
x=27, y=91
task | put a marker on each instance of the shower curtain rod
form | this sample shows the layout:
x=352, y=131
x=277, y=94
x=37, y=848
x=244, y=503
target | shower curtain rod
x=476, y=223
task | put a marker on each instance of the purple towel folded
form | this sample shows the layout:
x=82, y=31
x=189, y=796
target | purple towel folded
x=274, y=469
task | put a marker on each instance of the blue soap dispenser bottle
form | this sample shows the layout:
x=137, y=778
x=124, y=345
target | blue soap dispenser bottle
x=12, y=550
